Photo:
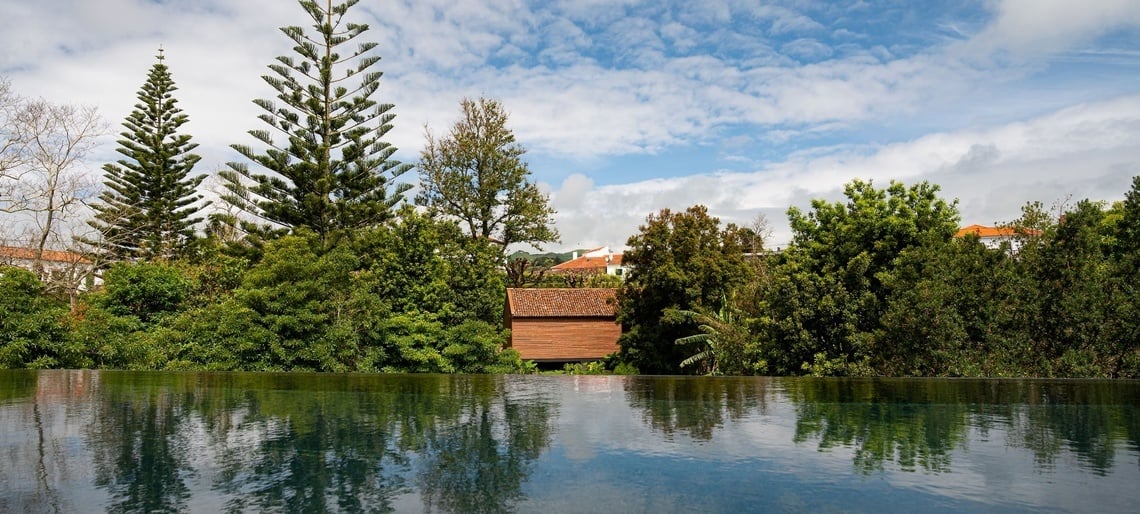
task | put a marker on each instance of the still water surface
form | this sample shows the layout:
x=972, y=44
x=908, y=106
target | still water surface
x=89, y=441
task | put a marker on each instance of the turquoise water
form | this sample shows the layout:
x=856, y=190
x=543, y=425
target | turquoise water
x=84, y=441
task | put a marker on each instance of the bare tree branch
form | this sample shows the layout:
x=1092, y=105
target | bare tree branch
x=48, y=183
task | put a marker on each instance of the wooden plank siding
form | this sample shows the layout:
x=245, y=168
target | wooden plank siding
x=552, y=325
x=564, y=339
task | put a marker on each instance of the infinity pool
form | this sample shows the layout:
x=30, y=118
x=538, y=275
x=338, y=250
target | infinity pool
x=81, y=441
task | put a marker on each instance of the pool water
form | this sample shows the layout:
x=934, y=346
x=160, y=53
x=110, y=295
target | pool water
x=83, y=441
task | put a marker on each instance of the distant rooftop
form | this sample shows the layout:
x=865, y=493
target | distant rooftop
x=984, y=231
x=12, y=252
x=589, y=262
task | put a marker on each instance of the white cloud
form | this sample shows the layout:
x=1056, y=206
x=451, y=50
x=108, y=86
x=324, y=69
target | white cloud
x=1087, y=151
x=785, y=21
x=806, y=48
x=436, y=53
x=1037, y=27
x=583, y=87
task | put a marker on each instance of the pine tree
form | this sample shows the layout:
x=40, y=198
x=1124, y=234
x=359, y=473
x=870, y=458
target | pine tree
x=148, y=208
x=333, y=172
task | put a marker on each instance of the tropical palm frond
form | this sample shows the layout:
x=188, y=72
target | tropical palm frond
x=696, y=338
x=702, y=356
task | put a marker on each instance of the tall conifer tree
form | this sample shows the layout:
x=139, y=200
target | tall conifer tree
x=332, y=172
x=148, y=208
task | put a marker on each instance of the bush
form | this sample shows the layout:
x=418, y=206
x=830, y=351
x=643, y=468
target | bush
x=144, y=290
x=31, y=330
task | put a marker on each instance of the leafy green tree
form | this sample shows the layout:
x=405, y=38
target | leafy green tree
x=1125, y=229
x=117, y=325
x=477, y=177
x=31, y=330
x=333, y=172
x=146, y=291
x=148, y=208
x=419, y=263
x=112, y=341
x=1080, y=303
x=394, y=298
x=223, y=336
x=954, y=308
x=826, y=297
x=677, y=261
x=303, y=295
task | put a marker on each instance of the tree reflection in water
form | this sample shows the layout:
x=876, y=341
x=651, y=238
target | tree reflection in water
x=918, y=424
x=912, y=424
x=316, y=443
x=141, y=449
x=478, y=459
x=238, y=442
x=696, y=406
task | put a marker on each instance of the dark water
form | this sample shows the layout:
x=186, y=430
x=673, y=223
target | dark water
x=86, y=441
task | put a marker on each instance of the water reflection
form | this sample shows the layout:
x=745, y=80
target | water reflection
x=696, y=406
x=167, y=442
x=918, y=424
x=141, y=447
x=297, y=443
x=478, y=461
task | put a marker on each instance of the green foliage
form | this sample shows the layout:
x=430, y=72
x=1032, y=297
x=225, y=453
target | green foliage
x=578, y=279
x=219, y=337
x=116, y=342
x=1125, y=231
x=334, y=171
x=32, y=334
x=1084, y=299
x=416, y=343
x=147, y=210
x=477, y=347
x=423, y=264
x=405, y=297
x=826, y=297
x=215, y=276
x=724, y=345
x=144, y=290
x=679, y=261
x=304, y=296
x=476, y=176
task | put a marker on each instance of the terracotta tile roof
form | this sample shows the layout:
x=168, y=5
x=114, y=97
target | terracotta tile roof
x=11, y=252
x=588, y=263
x=984, y=231
x=562, y=303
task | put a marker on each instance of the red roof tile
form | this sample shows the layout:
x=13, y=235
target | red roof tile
x=562, y=303
x=588, y=263
x=984, y=231
x=10, y=252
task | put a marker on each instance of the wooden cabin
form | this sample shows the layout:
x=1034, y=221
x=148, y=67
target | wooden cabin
x=562, y=325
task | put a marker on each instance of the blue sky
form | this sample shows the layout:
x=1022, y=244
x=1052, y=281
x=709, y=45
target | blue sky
x=629, y=106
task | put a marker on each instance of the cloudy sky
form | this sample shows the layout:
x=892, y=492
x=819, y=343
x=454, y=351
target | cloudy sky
x=630, y=106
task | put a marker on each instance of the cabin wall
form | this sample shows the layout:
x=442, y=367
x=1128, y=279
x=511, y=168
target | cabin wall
x=564, y=339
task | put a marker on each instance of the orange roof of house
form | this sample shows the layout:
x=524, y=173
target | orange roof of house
x=562, y=302
x=588, y=263
x=12, y=252
x=984, y=231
